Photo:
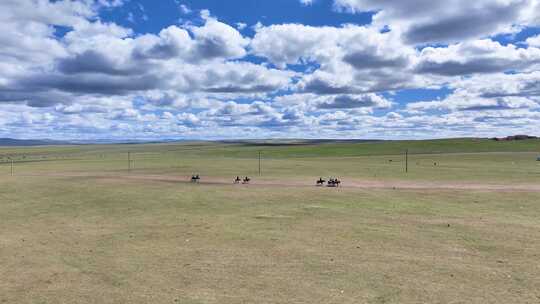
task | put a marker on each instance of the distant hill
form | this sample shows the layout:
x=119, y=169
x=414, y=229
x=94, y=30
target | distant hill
x=338, y=148
x=295, y=142
x=11, y=142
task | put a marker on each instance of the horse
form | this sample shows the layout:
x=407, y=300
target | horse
x=321, y=182
x=246, y=180
x=237, y=180
x=334, y=182
x=195, y=178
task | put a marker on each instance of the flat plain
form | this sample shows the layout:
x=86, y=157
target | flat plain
x=461, y=226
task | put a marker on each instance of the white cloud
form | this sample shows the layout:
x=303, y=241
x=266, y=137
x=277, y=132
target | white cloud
x=533, y=41
x=480, y=56
x=351, y=59
x=104, y=58
x=185, y=9
x=217, y=39
x=313, y=102
x=465, y=102
x=295, y=43
x=426, y=21
x=241, y=26
x=488, y=93
x=101, y=79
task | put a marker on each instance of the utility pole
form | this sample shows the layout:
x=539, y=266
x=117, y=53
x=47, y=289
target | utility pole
x=407, y=161
x=129, y=161
x=259, y=163
x=12, y=167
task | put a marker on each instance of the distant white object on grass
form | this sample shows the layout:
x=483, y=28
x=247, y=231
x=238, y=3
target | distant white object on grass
x=538, y=158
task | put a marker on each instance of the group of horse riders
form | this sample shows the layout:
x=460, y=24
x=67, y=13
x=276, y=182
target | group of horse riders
x=332, y=182
x=246, y=180
x=237, y=180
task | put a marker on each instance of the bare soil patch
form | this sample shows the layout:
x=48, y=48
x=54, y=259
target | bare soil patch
x=347, y=183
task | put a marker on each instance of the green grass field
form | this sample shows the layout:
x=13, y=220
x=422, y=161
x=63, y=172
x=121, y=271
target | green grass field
x=77, y=227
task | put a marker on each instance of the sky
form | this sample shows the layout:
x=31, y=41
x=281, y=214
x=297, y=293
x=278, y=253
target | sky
x=258, y=69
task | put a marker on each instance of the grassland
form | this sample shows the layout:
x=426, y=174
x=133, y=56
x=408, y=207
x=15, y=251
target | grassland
x=77, y=227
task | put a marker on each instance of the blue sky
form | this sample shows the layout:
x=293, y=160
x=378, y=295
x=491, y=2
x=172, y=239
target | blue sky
x=209, y=69
x=320, y=13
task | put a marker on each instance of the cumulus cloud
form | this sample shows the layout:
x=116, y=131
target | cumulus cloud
x=501, y=85
x=425, y=21
x=466, y=102
x=363, y=47
x=65, y=70
x=105, y=59
x=257, y=114
x=494, y=92
x=356, y=101
x=533, y=41
x=345, y=80
x=323, y=103
x=351, y=59
x=480, y=56
x=294, y=43
x=218, y=40
x=170, y=43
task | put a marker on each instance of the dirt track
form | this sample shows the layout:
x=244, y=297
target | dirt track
x=347, y=183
